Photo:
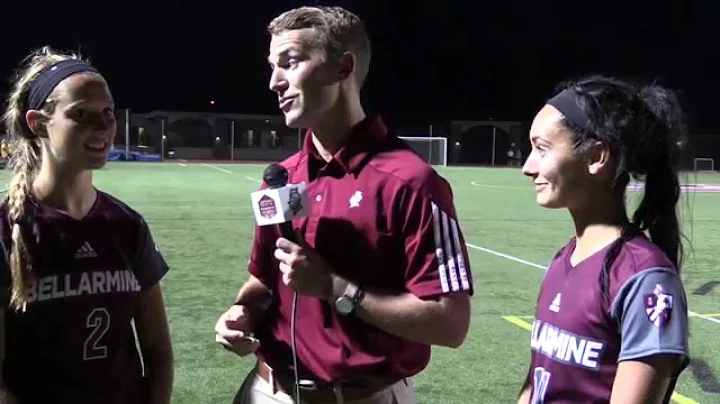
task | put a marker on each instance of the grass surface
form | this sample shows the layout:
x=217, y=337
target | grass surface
x=201, y=218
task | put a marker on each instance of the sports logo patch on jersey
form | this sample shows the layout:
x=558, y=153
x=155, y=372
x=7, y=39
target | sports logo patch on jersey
x=658, y=306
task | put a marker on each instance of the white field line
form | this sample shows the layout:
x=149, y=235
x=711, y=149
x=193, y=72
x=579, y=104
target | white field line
x=510, y=257
x=532, y=264
x=480, y=184
x=217, y=168
x=714, y=320
x=230, y=172
x=493, y=252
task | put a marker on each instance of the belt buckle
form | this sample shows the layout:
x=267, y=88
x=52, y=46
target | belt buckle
x=307, y=384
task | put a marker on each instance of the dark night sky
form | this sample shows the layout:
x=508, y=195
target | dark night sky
x=432, y=61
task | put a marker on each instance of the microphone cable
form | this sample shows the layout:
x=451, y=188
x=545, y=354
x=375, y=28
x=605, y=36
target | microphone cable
x=276, y=176
x=294, y=347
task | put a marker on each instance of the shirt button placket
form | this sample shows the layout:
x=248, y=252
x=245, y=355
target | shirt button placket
x=316, y=210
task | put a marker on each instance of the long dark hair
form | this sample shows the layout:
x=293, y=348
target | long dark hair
x=643, y=126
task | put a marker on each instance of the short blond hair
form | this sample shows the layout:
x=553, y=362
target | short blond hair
x=338, y=31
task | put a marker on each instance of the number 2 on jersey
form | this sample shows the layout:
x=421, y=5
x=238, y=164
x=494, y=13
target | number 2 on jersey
x=541, y=380
x=99, y=321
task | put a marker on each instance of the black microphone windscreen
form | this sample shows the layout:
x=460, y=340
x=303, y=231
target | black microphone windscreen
x=275, y=176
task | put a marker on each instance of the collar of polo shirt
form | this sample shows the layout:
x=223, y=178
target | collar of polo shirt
x=367, y=135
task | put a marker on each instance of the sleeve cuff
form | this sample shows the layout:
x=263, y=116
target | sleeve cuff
x=263, y=276
x=433, y=288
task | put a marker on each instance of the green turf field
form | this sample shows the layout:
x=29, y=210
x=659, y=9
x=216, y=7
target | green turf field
x=201, y=217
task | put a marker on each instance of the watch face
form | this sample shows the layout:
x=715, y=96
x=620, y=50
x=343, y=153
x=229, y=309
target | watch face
x=343, y=305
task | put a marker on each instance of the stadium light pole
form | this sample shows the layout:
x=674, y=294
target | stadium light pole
x=232, y=140
x=493, y=148
x=162, y=139
x=431, y=145
x=127, y=133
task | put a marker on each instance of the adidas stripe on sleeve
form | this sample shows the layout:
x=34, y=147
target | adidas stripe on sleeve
x=449, y=252
x=435, y=251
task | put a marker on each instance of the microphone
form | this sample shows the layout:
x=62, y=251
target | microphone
x=281, y=202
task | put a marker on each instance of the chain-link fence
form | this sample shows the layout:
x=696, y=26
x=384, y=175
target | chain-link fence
x=163, y=135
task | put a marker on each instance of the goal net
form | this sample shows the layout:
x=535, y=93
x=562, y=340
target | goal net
x=432, y=149
x=704, y=164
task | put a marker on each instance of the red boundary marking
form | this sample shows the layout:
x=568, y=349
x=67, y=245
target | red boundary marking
x=218, y=161
x=206, y=161
x=695, y=188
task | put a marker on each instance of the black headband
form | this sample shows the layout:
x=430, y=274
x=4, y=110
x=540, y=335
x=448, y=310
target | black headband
x=568, y=104
x=45, y=83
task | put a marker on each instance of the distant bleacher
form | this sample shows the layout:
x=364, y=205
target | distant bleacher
x=132, y=155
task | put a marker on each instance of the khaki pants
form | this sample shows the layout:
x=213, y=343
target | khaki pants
x=255, y=390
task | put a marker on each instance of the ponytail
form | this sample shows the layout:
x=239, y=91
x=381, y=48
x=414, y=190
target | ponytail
x=658, y=158
x=20, y=264
x=657, y=212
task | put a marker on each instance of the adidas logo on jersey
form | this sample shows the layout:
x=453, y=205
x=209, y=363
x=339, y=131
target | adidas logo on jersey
x=85, y=251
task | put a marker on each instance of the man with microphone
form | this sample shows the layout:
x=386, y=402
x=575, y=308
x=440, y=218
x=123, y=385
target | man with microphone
x=344, y=303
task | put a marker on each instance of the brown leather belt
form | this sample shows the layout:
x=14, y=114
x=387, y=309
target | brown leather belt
x=324, y=393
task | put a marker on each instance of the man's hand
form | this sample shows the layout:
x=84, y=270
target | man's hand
x=234, y=331
x=303, y=269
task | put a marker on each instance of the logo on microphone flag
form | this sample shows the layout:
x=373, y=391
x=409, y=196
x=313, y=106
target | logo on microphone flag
x=267, y=207
x=276, y=205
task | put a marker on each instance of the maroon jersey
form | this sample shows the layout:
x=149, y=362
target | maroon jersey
x=74, y=342
x=382, y=218
x=577, y=342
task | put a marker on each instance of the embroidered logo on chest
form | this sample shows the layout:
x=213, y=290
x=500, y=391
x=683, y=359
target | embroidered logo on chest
x=355, y=199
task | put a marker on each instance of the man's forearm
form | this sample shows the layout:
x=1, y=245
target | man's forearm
x=254, y=294
x=431, y=322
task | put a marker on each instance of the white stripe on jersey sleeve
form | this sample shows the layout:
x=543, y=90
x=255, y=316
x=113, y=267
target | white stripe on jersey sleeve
x=460, y=258
x=438, y=249
x=448, y=252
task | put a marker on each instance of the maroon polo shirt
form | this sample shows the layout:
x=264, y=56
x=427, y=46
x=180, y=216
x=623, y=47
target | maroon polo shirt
x=382, y=218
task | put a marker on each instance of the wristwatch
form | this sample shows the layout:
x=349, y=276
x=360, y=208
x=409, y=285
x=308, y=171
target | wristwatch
x=346, y=303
